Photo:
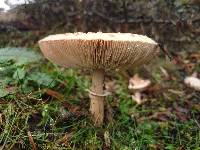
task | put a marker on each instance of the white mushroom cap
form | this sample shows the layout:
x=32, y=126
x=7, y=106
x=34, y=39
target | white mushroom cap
x=138, y=84
x=98, y=50
x=192, y=82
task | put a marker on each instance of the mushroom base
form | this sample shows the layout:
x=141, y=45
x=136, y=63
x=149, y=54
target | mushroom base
x=97, y=99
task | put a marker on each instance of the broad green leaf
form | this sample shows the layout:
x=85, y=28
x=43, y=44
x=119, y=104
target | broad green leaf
x=19, y=56
x=3, y=92
x=19, y=74
x=170, y=147
x=42, y=79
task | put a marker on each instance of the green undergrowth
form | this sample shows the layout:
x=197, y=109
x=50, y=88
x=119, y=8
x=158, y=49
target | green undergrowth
x=46, y=106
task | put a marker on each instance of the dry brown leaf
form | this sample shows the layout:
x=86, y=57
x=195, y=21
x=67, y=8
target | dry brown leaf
x=1, y=120
x=71, y=108
x=75, y=109
x=111, y=86
x=66, y=139
x=189, y=67
x=195, y=56
x=161, y=116
x=177, y=92
x=181, y=116
x=54, y=94
x=165, y=73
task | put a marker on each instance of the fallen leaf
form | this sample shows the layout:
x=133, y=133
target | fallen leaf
x=1, y=120
x=165, y=73
x=54, y=94
x=71, y=108
x=189, y=67
x=181, y=113
x=195, y=56
x=177, y=92
x=74, y=109
x=182, y=110
x=155, y=89
x=181, y=116
x=66, y=105
x=161, y=116
x=111, y=86
x=66, y=139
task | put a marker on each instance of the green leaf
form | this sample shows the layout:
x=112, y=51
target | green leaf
x=170, y=147
x=3, y=92
x=42, y=79
x=20, y=56
x=19, y=74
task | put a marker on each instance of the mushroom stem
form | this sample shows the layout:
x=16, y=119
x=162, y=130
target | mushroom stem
x=97, y=99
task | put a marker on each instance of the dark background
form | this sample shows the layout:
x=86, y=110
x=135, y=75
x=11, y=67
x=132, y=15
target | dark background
x=173, y=23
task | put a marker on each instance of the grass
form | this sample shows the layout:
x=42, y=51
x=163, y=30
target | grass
x=51, y=103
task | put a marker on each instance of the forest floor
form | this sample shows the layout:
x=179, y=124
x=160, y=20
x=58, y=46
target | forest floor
x=44, y=106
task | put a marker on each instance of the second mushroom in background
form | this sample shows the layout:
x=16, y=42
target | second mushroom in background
x=138, y=85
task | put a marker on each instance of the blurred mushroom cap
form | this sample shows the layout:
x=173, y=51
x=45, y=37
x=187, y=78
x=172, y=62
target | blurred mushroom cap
x=98, y=50
x=137, y=83
x=192, y=82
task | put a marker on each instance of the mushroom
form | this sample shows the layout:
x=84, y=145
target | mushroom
x=193, y=81
x=98, y=52
x=138, y=85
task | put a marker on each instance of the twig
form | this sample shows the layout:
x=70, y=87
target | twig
x=165, y=51
x=31, y=141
